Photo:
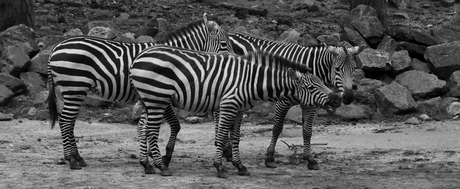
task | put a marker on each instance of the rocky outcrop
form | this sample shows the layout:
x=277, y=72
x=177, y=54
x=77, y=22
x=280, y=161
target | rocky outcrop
x=395, y=99
x=444, y=58
x=421, y=84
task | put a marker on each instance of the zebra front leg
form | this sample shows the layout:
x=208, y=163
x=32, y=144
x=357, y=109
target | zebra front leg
x=171, y=118
x=228, y=147
x=308, y=115
x=235, y=139
x=226, y=120
x=142, y=139
x=281, y=109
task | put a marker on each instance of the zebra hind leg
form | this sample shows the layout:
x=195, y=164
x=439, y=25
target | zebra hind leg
x=228, y=147
x=281, y=109
x=235, y=138
x=171, y=118
x=308, y=115
x=142, y=139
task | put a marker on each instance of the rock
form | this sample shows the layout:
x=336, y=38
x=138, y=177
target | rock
x=303, y=4
x=20, y=36
x=415, y=50
x=90, y=25
x=447, y=101
x=366, y=90
x=102, y=32
x=444, y=58
x=365, y=21
x=454, y=108
x=96, y=101
x=406, y=33
x=73, y=32
x=374, y=60
x=307, y=40
x=5, y=117
x=149, y=29
x=400, y=4
x=449, y=31
x=164, y=28
x=421, y=84
x=354, y=112
x=5, y=95
x=144, y=39
x=401, y=15
x=388, y=44
x=447, y=3
x=412, y=121
x=395, y=99
x=416, y=64
x=358, y=75
x=39, y=63
x=194, y=120
x=431, y=105
x=332, y=39
x=290, y=36
x=33, y=82
x=424, y=117
x=41, y=97
x=32, y=111
x=295, y=114
x=16, y=85
x=123, y=16
x=400, y=61
x=99, y=14
x=50, y=40
x=354, y=37
x=14, y=60
x=454, y=87
x=42, y=115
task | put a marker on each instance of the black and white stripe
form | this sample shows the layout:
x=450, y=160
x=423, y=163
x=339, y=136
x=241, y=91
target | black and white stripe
x=205, y=82
x=80, y=64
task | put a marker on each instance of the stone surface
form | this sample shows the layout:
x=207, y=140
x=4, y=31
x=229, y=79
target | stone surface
x=453, y=109
x=33, y=82
x=39, y=63
x=332, y=39
x=20, y=36
x=14, y=60
x=388, y=44
x=429, y=106
x=194, y=120
x=365, y=21
x=144, y=39
x=149, y=29
x=102, y=32
x=5, y=95
x=421, y=84
x=354, y=112
x=164, y=28
x=15, y=84
x=395, y=99
x=374, y=60
x=409, y=34
x=444, y=58
x=415, y=50
x=454, y=87
x=412, y=121
x=419, y=65
x=96, y=101
x=73, y=32
x=290, y=36
x=50, y=40
x=354, y=37
x=366, y=90
x=41, y=97
x=449, y=31
x=5, y=117
x=400, y=61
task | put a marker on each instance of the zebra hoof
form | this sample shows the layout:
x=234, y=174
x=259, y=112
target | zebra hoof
x=74, y=165
x=313, y=166
x=221, y=171
x=148, y=169
x=165, y=172
x=82, y=163
x=312, y=163
x=243, y=171
x=270, y=164
x=166, y=160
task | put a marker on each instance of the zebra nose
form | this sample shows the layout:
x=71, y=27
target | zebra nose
x=354, y=87
x=335, y=100
x=348, y=96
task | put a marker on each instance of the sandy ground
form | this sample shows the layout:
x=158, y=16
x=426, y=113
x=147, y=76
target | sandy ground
x=351, y=156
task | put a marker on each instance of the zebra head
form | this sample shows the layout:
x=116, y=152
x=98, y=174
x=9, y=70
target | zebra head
x=218, y=40
x=312, y=91
x=343, y=67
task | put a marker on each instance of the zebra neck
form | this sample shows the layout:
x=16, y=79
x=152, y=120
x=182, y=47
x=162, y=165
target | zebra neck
x=272, y=84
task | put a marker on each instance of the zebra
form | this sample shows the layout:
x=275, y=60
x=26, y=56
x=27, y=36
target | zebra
x=334, y=65
x=83, y=63
x=203, y=82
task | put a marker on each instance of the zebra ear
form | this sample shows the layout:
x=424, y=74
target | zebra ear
x=333, y=50
x=294, y=75
x=205, y=17
x=356, y=49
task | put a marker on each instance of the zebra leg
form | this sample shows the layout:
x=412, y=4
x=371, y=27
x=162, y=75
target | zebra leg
x=308, y=115
x=142, y=139
x=228, y=147
x=235, y=137
x=171, y=118
x=155, y=114
x=281, y=109
x=226, y=120
x=71, y=107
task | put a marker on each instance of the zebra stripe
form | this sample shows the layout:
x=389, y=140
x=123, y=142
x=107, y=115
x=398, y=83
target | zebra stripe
x=203, y=82
x=80, y=64
x=334, y=65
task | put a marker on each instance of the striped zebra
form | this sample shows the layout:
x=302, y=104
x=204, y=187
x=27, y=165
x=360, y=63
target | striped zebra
x=204, y=82
x=80, y=64
x=334, y=65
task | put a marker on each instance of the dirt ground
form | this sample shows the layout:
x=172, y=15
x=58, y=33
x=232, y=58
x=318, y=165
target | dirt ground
x=351, y=156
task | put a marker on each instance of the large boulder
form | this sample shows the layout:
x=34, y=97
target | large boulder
x=365, y=21
x=416, y=64
x=16, y=85
x=355, y=37
x=388, y=44
x=429, y=106
x=39, y=63
x=444, y=58
x=290, y=36
x=20, y=36
x=332, y=39
x=149, y=29
x=366, y=90
x=395, y=99
x=421, y=84
x=400, y=61
x=374, y=60
x=415, y=50
x=454, y=87
x=449, y=31
x=354, y=112
x=14, y=60
x=33, y=82
x=405, y=33
x=102, y=32
x=5, y=95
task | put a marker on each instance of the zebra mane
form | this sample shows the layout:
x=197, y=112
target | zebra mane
x=188, y=27
x=276, y=61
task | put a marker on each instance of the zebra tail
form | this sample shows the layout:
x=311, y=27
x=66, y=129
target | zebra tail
x=52, y=104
